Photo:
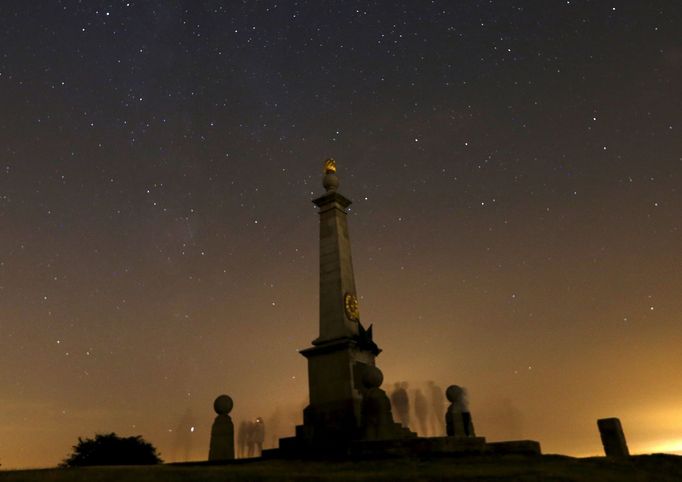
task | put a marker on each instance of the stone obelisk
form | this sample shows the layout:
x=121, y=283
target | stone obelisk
x=344, y=349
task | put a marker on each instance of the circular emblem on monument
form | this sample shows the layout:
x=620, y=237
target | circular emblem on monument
x=350, y=302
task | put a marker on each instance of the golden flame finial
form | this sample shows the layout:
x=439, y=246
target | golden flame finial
x=330, y=166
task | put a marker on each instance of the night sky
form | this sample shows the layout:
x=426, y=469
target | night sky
x=516, y=172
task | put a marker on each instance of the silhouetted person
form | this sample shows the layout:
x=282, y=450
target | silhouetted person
x=241, y=438
x=376, y=407
x=250, y=439
x=421, y=411
x=274, y=426
x=401, y=403
x=258, y=436
x=222, y=431
x=458, y=421
x=437, y=409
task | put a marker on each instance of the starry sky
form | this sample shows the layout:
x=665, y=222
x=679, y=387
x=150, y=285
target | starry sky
x=515, y=168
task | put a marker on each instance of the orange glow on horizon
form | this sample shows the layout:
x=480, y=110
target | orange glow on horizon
x=670, y=446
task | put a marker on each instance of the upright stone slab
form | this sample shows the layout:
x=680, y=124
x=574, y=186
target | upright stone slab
x=222, y=431
x=612, y=437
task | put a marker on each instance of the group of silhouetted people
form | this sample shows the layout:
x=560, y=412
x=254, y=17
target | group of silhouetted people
x=428, y=408
x=250, y=438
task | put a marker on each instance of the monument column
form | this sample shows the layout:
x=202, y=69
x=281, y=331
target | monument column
x=339, y=314
x=343, y=349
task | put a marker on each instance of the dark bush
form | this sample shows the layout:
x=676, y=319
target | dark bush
x=110, y=449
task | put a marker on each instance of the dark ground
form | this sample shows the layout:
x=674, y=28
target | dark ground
x=477, y=468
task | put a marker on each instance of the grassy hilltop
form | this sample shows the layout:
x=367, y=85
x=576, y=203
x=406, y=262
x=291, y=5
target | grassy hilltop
x=476, y=468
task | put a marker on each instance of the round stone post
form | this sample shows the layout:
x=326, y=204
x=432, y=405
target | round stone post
x=222, y=431
x=458, y=421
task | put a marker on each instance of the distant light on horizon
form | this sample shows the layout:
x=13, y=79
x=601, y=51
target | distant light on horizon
x=671, y=446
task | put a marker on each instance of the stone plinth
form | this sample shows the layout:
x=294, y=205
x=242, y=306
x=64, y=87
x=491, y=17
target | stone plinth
x=334, y=412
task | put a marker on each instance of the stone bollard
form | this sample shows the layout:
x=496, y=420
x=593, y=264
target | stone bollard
x=612, y=437
x=222, y=431
x=376, y=407
x=458, y=421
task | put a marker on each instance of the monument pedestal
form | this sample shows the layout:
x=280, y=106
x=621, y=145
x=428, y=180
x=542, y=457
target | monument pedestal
x=334, y=411
x=334, y=416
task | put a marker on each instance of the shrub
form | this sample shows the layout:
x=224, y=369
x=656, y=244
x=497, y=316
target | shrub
x=110, y=449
